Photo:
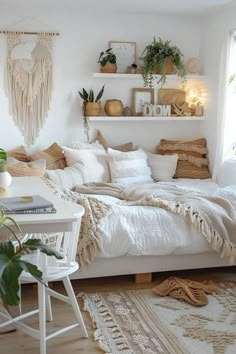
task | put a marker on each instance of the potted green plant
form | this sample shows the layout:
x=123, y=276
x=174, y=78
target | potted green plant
x=160, y=57
x=91, y=106
x=11, y=262
x=107, y=61
x=5, y=177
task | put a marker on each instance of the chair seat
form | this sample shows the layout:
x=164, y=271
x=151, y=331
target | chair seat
x=52, y=268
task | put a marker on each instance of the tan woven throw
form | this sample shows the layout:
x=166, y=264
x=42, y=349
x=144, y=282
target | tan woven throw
x=186, y=290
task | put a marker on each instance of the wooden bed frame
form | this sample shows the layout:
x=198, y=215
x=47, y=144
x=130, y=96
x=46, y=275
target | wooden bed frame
x=144, y=266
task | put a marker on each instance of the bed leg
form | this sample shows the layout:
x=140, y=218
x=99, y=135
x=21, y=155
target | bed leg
x=143, y=278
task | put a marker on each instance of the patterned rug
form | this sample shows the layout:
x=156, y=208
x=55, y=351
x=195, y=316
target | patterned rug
x=140, y=322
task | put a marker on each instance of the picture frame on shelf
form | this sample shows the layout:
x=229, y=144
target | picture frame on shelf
x=140, y=97
x=125, y=54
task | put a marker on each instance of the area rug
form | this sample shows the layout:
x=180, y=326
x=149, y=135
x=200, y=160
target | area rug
x=140, y=322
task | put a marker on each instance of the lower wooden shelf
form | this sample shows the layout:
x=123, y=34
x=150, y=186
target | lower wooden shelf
x=146, y=118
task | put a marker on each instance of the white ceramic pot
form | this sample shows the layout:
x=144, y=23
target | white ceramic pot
x=5, y=180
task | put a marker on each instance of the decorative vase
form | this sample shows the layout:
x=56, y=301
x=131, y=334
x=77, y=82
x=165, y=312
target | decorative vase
x=167, y=68
x=5, y=177
x=108, y=68
x=92, y=109
x=114, y=108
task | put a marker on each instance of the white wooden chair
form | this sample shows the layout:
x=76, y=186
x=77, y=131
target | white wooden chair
x=53, y=270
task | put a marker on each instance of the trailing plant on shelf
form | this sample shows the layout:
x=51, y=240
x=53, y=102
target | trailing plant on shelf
x=91, y=107
x=11, y=262
x=107, y=61
x=160, y=57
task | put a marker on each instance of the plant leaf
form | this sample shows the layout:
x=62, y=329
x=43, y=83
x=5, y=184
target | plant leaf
x=10, y=270
x=85, y=93
x=99, y=96
x=82, y=96
x=37, y=244
x=32, y=269
x=91, y=96
x=3, y=155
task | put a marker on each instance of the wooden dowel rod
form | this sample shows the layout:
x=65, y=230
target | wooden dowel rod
x=32, y=33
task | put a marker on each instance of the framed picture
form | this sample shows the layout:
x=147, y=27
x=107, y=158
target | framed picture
x=125, y=54
x=141, y=96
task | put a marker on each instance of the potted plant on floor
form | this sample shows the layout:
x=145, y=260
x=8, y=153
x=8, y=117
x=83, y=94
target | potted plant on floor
x=91, y=107
x=160, y=57
x=11, y=262
x=107, y=61
x=5, y=177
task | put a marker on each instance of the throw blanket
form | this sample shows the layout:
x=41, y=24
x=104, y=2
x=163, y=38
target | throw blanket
x=212, y=215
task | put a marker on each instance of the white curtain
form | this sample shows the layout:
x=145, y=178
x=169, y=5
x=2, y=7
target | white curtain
x=226, y=119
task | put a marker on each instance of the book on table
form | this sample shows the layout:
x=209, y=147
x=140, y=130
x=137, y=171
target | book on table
x=34, y=204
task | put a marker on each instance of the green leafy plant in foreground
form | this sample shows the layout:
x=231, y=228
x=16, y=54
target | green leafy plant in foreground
x=12, y=264
x=3, y=160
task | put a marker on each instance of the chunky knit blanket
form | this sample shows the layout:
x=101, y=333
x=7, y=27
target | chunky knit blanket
x=213, y=215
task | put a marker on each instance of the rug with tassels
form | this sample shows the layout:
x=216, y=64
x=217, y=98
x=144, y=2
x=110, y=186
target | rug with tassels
x=140, y=322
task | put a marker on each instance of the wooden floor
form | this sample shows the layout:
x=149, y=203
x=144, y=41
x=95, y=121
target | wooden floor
x=72, y=342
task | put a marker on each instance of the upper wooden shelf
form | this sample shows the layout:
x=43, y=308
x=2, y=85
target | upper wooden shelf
x=139, y=76
x=146, y=118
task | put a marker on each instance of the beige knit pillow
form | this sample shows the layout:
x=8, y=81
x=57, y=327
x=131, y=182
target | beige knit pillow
x=192, y=155
x=102, y=140
x=20, y=169
x=53, y=155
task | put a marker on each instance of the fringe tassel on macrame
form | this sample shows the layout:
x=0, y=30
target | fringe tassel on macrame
x=30, y=88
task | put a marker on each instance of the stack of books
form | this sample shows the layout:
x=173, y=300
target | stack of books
x=34, y=204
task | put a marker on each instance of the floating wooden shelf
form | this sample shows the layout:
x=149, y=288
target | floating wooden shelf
x=146, y=118
x=139, y=76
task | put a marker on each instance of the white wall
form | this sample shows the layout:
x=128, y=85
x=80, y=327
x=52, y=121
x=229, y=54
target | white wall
x=217, y=27
x=75, y=55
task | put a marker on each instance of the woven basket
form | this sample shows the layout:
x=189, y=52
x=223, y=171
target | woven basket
x=168, y=67
x=92, y=109
x=108, y=68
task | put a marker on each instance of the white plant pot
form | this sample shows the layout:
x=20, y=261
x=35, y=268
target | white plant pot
x=5, y=180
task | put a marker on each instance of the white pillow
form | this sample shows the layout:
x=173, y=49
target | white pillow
x=94, y=161
x=128, y=167
x=163, y=167
x=87, y=146
x=68, y=178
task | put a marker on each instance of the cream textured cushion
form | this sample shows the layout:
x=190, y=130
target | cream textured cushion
x=128, y=167
x=163, y=167
x=94, y=161
x=18, y=168
x=68, y=178
x=87, y=146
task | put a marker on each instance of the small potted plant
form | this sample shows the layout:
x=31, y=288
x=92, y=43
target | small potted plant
x=5, y=177
x=107, y=61
x=160, y=57
x=91, y=106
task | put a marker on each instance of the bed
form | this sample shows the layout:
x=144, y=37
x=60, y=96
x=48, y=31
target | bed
x=130, y=247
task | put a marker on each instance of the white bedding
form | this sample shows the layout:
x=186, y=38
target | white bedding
x=135, y=230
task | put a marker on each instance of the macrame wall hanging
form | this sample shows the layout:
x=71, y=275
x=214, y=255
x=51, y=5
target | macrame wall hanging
x=29, y=76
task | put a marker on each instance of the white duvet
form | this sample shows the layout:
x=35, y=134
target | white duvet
x=136, y=230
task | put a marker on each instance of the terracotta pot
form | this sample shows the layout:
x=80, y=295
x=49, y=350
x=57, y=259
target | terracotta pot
x=108, y=68
x=92, y=109
x=114, y=108
x=168, y=67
